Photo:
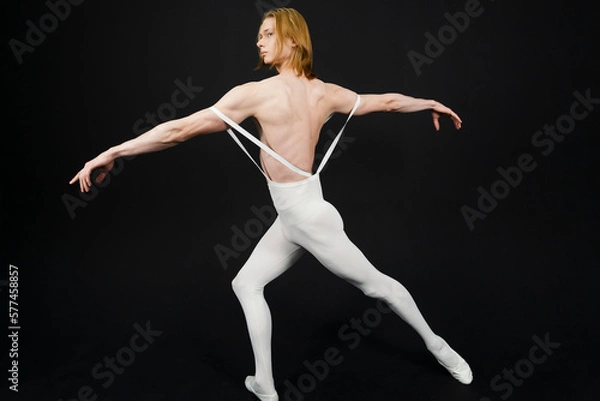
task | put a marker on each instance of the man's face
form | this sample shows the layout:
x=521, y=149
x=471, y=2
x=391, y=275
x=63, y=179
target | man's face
x=267, y=43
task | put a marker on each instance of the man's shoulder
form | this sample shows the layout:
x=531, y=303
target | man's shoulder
x=332, y=87
x=256, y=86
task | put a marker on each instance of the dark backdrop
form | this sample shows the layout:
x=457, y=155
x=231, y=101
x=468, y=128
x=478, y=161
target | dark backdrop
x=143, y=251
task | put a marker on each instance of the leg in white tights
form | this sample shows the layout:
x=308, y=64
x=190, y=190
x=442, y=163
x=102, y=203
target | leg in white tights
x=273, y=255
x=323, y=236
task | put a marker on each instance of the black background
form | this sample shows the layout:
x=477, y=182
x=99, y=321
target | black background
x=142, y=250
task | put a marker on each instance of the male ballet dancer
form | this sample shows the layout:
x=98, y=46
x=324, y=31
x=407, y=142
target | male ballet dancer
x=291, y=109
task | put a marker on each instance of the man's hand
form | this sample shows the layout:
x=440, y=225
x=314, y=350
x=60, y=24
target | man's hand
x=103, y=162
x=438, y=110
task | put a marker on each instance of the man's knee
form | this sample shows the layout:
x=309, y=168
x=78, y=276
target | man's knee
x=386, y=289
x=374, y=292
x=243, y=286
x=237, y=284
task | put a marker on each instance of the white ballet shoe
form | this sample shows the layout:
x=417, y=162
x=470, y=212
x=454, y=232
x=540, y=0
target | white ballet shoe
x=462, y=371
x=250, y=385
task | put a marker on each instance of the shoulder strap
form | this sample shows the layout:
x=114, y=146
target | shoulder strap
x=337, y=138
x=252, y=139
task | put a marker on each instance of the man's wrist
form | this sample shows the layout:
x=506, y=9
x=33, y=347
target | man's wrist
x=113, y=152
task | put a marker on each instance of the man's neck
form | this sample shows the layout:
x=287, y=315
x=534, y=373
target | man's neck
x=289, y=72
x=286, y=69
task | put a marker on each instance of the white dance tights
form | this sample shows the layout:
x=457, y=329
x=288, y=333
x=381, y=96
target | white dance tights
x=307, y=222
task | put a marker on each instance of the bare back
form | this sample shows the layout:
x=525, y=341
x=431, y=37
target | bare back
x=290, y=121
x=290, y=112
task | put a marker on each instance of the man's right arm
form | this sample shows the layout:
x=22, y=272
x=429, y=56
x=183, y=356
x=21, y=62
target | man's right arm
x=239, y=103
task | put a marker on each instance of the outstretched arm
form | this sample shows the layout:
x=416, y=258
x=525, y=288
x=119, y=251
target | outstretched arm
x=237, y=103
x=390, y=102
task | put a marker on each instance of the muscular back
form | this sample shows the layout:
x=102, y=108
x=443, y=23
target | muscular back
x=290, y=112
x=290, y=120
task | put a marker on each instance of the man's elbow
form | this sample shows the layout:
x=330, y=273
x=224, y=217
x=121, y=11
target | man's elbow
x=392, y=102
x=174, y=133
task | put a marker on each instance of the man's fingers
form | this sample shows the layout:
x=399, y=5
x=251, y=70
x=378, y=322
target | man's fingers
x=455, y=118
x=458, y=122
x=84, y=179
x=78, y=177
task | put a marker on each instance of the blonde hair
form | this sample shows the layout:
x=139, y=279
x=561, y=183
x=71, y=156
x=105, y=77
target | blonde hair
x=289, y=23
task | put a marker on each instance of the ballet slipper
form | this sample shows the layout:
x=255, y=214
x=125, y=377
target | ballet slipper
x=251, y=383
x=461, y=372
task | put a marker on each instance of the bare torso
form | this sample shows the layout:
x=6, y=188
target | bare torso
x=290, y=117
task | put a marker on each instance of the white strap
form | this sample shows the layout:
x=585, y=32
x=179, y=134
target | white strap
x=252, y=139
x=337, y=138
x=236, y=139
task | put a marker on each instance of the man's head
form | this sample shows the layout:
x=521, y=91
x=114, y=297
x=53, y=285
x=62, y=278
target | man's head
x=284, y=42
